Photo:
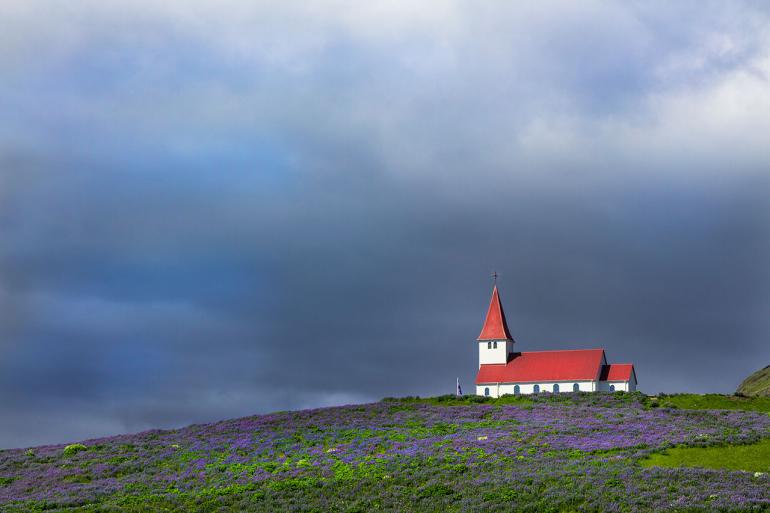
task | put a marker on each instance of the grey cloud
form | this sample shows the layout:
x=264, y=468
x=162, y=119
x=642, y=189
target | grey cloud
x=216, y=212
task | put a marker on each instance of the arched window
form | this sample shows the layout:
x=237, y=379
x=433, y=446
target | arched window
x=486, y=391
x=489, y=345
x=556, y=388
x=494, y=344
x=536, y=389
x=516, y=389
x=612, y=388
x=576, y=388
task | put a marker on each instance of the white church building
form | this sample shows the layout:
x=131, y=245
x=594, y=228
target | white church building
x=502, y=370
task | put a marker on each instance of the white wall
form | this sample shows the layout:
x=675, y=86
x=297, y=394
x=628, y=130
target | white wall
x=494, y=355
x=631, y=385
x=625, y=386
x=496, y=390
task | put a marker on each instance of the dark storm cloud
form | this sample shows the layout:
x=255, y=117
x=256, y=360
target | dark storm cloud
x=211, y=212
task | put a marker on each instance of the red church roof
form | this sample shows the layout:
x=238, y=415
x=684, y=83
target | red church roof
x=617, y=372
x=495, y=327
x=568, y=365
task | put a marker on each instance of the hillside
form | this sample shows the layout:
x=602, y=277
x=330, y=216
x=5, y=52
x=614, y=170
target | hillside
x=756, y=385
x=569, y=452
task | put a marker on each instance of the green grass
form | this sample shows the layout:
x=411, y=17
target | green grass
x=683, y=401
x=751, y=458
x=713, y=402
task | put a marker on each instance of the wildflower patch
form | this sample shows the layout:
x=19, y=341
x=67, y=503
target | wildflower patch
x=574, y=452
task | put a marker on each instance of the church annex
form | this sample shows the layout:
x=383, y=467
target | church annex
x=502, y=370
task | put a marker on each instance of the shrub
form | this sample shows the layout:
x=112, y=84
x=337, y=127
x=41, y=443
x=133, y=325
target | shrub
x=435, y=490
x=74, y=449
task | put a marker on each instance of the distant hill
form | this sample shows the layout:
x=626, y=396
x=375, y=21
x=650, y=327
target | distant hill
x=756, y=385
x=550, y=453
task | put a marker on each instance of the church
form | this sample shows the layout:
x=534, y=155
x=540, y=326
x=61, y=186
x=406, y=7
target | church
x=502, y=370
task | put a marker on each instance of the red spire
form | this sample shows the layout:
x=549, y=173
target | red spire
x=495, y=327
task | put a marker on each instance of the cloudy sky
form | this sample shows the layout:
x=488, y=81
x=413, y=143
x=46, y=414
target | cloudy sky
x=216, y=209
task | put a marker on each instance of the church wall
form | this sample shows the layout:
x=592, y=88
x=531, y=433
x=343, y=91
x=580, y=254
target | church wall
x=625, y=386
x=528, y=388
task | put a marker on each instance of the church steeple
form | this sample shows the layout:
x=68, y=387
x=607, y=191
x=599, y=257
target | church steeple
x=495, y=326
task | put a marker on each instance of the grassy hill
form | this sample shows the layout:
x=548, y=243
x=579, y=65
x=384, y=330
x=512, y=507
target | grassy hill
x=568, y=452
x=756, y=385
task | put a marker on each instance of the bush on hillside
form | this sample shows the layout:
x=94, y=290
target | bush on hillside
x=74, y=449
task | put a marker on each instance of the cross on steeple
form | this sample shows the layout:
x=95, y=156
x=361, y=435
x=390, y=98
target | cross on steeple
x=494, y=277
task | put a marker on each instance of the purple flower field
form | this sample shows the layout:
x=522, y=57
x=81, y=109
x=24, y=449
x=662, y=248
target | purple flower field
x=561, y=453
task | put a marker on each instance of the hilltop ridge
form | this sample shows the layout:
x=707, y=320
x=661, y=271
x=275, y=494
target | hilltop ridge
x=756, y=385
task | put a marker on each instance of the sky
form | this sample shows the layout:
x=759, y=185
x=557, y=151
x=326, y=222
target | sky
x=217, y=209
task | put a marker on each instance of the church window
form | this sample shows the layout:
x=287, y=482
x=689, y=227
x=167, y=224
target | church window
x=556, y=388
x=612, y=388
x=494, y=344
x=489, y=345
x=576, y=388
x=536, y=389
x=516, y=389
x=486, y=391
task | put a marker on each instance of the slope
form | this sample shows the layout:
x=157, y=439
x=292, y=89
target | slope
x=568, y=452
x=758, y=384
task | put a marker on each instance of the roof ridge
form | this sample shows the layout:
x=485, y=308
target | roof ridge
x=563, y=350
